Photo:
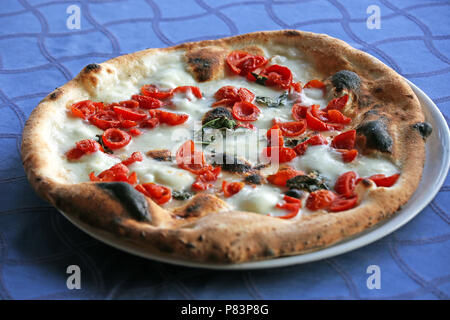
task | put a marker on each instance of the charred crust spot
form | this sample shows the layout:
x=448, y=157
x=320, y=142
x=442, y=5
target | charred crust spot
x=376, y=135
x=346, y=79
x=215, y=113
x=254, y=178
x=160, y=154
x=204, y=63
x=192, y=208
x=268, y=252
x=424, y=129
x=55, y=94
x=231, y=163
x=92, y=67
x=366, y=182
x=133, y=201
x=200, y=205
x=291, y=33
x=378, y=90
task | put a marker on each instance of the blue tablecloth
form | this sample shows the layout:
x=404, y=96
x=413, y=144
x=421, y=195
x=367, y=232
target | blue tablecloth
x=38, y=52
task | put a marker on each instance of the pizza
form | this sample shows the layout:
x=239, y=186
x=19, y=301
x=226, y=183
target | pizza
x=239, y=149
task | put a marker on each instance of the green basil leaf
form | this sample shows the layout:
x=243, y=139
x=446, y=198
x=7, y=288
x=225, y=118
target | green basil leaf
x=259, y=79
x=181, y=195
x=220, y=123
x=311, y=182
x=273, y=103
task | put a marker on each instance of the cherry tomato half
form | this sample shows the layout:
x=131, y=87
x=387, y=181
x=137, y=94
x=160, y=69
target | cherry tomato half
x=283, y=175
x=320, y=199
x=345, y=140
x=231, y=188
x=158, y=193
x=345, y=183
x=245, y=111
x=115, y=138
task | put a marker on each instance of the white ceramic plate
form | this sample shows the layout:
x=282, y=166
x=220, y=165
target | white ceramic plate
x=436, y=168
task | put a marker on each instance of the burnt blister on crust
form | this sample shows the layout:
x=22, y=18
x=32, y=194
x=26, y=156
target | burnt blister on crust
x=376, y=135
x=346, y=79
x=424, y=129
x=91, y=67
x=133, y=201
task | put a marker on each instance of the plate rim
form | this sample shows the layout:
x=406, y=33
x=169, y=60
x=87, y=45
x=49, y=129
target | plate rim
x=360, y=240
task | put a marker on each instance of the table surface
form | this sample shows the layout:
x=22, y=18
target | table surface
x=39, y=53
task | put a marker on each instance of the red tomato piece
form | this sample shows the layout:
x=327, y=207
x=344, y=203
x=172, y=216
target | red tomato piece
x=337, y=117
x=135, y=157
x=319, y=114
x=382, y=181
x=345, y=140
x=315, y=84
x=135, y=132
x=149, y=123
x=292, y=205
x=185, y=89
x=129, y=114
x=83, y=147
x=131, y=104
x=296, y=86
x=105, y=120
x=153, y=91
x=320, y=199
x=146, y=102
x=277, y=76
x=345, y=184
x=126, y=124
x=348, y=155
x=342, y=203
x=337, y=103
x=158, y=193
x=299, y=111
x=275, y=137
x=83, y=109
x=189, y=159
x=231, y=188
x=318, y=139
x=245, y=111
x=279, y=154
x=293, y=128
x=115, y=138
x=283, y=175
x=172, y=119
x=228, y=95
x=242, y=63
x=206, y=178
x=316, y=124
x=118, y=172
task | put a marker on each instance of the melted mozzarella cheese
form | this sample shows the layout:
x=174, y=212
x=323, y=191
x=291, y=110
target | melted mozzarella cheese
x=261, y=199
x=161, y=172
x=329, y=164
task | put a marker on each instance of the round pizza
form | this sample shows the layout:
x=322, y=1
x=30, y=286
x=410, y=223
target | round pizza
x=239, y=149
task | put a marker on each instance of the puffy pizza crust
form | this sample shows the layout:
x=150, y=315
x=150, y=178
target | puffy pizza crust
x=208, y=231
